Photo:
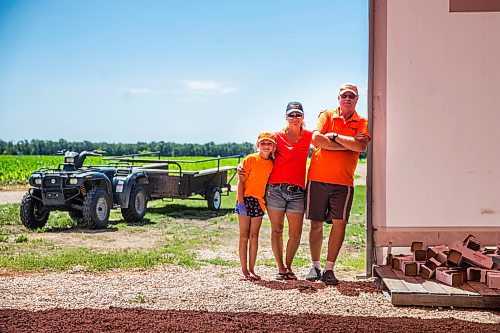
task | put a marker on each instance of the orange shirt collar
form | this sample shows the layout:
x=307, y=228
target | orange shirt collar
x=354, y=117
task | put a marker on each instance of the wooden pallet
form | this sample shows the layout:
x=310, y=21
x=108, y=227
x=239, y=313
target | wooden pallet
x=415, y=290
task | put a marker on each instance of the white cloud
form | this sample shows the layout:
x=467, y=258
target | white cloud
x=207, y=87
x=140, y=91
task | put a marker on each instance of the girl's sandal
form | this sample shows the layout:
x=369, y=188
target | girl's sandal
x=281, y=276
x=290, y=276
x=254, y=277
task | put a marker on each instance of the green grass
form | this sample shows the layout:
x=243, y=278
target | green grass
x=195, y=228
x=221, y=262
x=358, y=209
x=66, y=259
x=185, y=226
x=355, y=235
x=138, y=298
x=347, y=260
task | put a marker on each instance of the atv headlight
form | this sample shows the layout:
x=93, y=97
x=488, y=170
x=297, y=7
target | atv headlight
x=73, y=181
x=69, y=160
x=38, y=181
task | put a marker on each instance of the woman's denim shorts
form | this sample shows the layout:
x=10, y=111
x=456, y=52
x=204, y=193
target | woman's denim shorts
x=285, y=198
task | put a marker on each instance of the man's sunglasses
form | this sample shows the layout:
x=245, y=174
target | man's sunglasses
x=295, y=115
x=351, y=96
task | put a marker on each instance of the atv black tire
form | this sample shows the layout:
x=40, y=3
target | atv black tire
x=31, y=212
x=214, y=200
x=137, y=205
x=96, y=208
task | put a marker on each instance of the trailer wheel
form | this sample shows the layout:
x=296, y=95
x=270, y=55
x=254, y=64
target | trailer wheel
x=215, y=199
x=96, y=209
x=32, y=213
x=137, y=205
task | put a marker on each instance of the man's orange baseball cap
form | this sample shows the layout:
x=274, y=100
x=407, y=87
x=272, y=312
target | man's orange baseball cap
x=348, y=87
x=266, y=136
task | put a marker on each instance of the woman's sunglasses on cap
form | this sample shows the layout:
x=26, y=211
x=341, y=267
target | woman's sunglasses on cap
x=297, y=115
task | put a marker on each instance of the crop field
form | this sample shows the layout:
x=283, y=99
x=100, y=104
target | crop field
x=15, y=170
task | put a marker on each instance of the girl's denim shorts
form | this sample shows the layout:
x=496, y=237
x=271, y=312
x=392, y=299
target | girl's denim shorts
x=285, y=198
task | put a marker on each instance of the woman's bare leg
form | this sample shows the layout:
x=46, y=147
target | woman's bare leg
x=277, y=219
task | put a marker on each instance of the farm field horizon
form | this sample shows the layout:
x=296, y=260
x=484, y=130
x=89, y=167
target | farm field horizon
x=15, y=170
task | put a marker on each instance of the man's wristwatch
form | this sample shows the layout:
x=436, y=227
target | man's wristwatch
x=334, y=137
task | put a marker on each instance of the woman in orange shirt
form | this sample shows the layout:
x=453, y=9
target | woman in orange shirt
x=251, y=206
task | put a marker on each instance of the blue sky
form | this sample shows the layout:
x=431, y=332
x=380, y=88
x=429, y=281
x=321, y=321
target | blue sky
x=181, y=71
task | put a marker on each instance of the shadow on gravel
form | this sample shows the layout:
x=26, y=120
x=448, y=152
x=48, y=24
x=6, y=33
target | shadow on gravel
x=152, y=321
x=302, y=286
x=83, y=229
x=354, y=288
x=187, y=212
x=79, y=229
x=144, y=222
x=346, y=288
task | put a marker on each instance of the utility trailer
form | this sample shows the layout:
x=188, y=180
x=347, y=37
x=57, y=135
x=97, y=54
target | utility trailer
x=167, y=179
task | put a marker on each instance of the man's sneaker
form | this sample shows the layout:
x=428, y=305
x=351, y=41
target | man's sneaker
x=329, y=278
x=314, y=274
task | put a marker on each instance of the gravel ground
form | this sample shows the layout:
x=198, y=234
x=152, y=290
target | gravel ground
x=211, y=299
x=211, y=295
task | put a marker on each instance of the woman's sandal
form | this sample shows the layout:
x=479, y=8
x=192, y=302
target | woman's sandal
x=286, y=276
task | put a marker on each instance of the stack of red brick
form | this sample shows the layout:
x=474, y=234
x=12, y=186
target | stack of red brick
x=452, y=265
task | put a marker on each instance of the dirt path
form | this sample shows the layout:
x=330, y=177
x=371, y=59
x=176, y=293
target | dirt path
x=361, y=172
x=7, y=197
x=155, y=321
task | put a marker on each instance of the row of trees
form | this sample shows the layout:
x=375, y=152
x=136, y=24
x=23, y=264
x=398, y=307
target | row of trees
x=46, y=147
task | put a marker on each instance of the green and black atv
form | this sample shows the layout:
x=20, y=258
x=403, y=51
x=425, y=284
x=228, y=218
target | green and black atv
x=87, y=193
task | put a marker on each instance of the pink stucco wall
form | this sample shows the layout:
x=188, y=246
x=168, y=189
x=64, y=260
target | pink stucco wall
x=436, y=123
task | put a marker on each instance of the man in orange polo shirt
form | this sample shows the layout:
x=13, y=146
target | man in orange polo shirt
x=330, y=187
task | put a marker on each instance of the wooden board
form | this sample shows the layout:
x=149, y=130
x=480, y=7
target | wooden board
x=482, y=288
x=416, y=291
x=390, y=280
x=411, y=283
x=431, y=286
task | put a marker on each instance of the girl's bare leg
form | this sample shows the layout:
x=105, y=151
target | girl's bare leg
x=255, y=224
x=244, y=224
